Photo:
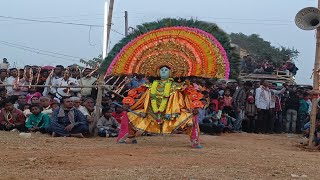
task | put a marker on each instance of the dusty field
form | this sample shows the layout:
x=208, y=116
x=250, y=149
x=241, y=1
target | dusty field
x=231, y=156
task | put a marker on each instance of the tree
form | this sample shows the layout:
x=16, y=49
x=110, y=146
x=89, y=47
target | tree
x=263, y=50
x=92, y=63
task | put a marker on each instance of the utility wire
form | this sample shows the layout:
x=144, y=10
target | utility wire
x=47, y=21
x=40, y=50
x=37, y=52
x=58, y=22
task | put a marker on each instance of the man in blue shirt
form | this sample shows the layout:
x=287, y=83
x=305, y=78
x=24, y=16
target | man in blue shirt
x=68, y=121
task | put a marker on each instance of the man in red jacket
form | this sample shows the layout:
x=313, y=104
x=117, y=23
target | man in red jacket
x=11, y=118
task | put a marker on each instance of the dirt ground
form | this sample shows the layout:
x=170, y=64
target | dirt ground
x=230, y=156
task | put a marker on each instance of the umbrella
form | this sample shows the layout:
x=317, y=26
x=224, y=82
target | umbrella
x=48, y=67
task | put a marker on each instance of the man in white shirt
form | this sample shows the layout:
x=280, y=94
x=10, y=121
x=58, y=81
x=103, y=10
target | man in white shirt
x=57, y=74
x=264, y=103
x=71, y=90
x=87, y=80
x=11, y=80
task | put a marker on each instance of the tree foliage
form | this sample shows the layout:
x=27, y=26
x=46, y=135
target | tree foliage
x=92, y=63
x=263, y=50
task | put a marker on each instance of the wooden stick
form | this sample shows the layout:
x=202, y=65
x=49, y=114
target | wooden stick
x=38, y=75
x=108, y=79
x=116, y=81
x=31, y=76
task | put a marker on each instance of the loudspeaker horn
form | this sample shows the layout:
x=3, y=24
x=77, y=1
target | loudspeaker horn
x=308, y=18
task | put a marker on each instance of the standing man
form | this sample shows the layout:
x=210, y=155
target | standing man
x=87, y=80
x=57, y=74
x=263, y=102
x=239, y=101
x=11, y=80
x=3, y=78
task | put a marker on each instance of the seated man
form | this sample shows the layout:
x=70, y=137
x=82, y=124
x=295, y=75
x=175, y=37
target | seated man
x=11, y=118
x=107, y=125
x=68, y=121
x=22, y=100
x=45, y=105
x=37, y=121
x=90, y=114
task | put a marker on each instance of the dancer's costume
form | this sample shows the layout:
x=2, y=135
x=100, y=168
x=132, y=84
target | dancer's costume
x=163, y=106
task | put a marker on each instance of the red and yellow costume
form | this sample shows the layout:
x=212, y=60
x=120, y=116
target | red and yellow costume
x=164, y=105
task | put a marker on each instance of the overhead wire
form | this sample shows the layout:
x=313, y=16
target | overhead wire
x=48, y=21
x=40, y=51
x=28, y=47
x=37, y=52
x=89, y=38
x=59, y=22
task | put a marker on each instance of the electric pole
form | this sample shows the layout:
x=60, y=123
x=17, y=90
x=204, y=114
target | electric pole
x=126, y=23
x=313, y=116
x=108, y=10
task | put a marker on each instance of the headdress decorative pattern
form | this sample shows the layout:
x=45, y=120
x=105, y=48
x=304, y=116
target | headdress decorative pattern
x=187, y=51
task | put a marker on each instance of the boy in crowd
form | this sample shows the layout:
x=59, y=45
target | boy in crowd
x=118, y=114
x=44, y=103
x=107, y=125
x=302, y=112
x=37, y=121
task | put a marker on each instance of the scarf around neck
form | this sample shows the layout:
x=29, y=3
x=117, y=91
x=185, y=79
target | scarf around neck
x=62, y=114
x=9, y=116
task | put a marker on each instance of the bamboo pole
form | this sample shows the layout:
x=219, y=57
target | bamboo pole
x=106, y=37
x=313, y=115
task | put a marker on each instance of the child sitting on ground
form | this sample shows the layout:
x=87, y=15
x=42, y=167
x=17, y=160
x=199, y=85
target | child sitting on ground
x=37, y=121
x=226, y=120
x=107, y=125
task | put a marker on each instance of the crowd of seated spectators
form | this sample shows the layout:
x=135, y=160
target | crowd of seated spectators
x=64, y=107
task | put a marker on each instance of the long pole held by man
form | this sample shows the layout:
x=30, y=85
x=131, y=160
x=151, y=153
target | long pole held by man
x=309, y=19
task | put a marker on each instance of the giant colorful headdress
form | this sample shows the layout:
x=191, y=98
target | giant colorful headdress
x=187, y=51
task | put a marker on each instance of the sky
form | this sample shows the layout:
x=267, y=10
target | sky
x=64, y=44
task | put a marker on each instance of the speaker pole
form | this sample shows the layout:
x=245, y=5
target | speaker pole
x=313, y=115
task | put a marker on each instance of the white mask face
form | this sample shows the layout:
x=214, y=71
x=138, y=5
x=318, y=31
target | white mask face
x=164, y=73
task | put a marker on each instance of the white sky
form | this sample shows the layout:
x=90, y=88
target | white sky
x=272, y=19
